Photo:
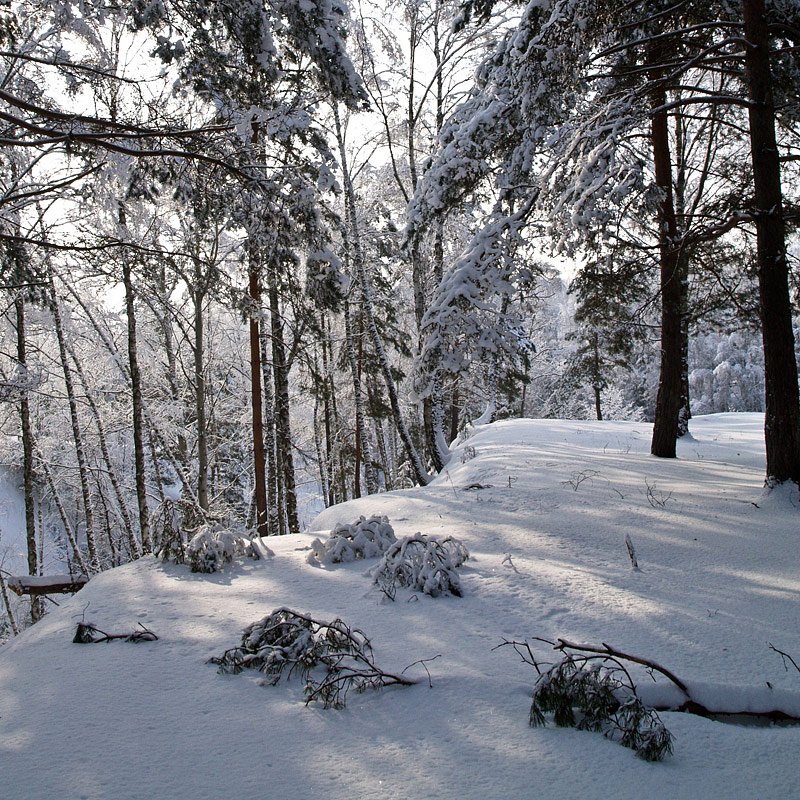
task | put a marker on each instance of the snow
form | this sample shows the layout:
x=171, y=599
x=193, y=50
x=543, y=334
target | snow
x=546, y=535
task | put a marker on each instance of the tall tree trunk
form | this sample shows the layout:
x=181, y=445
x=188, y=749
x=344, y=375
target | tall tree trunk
x=782, y=418
x=283, y=429
x=417, y=466
x=254, y=290
x=596, y=377
x=200, y=402
x=77, y=435
x=363, y=447
x=685, y=411
x=7, y=603
x=668, y=400
x=275, y=504
x=363, y=444
x=138, y=409
x=326, y=380
x=119, y=496
x=37, y=604
x=62, y=513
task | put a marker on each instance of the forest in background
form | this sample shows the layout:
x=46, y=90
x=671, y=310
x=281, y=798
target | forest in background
x=253, y=252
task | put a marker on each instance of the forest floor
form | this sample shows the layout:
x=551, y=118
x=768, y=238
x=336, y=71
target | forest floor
x=719, y=582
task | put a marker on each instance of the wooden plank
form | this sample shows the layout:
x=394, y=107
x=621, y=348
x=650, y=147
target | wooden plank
x=34, y=585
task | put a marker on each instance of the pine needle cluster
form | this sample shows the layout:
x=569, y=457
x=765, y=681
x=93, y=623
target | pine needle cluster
x=595, y=695
x=423, y=564
x=330, y=657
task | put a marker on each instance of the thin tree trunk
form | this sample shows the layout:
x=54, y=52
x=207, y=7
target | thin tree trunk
x=62, y=513
x=77, y=435
x=275, y=505
x=326, y=379
x=37, y=604
x=254, y=289
x=137, y=407
x=418, y=468
x=7, y=603
x=200, y=403
x=596, y=382
x=782, y=418
x=685, y=412
x=455, y=411
x=283, y=430
x=363, y=444
x=119, y=496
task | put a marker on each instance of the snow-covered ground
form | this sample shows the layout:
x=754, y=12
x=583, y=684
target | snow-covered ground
x=719, y=582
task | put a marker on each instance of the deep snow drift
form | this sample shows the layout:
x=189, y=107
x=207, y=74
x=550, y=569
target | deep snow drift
x=545, y=521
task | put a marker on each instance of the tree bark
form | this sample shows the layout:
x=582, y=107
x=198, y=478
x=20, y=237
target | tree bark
x=37, y=606
x=417, y=466
x=283, y=429
x=254, y=290
x=138, y=409
x=77, y=436
x=201, y=422
x=133, y=544
x=668, y=400
x=782, y=418
x=276, y=513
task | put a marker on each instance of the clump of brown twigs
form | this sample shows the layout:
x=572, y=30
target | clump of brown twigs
x=86, y=633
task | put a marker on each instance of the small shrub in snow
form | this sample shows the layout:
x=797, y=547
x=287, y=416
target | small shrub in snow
x=364, y=538
x=331, y=657
x=422, y=564
x=87, y=633
x=591, y=697
x=209, y=551
x=595, y=693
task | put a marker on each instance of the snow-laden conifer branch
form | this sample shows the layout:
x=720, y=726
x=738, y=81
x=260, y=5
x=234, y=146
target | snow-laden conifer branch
x=330, y=657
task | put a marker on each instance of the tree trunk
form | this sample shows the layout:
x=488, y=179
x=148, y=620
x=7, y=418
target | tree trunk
x=77, y=436
x=62, y=513
x=276, y=508
x=782, y=418
x=254, y=289
x=417, y=466
x=138, y=409
x=133, y=544
x=201, y=422
x=37, y=604
x=685, y=412
x=596, y=377
x=283, y=430
x=363, y=444
x=326, y=379
x=668, y=400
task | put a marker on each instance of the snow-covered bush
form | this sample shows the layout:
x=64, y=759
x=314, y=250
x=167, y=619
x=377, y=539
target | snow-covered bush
x=590, y=696
x=423, y=564
x=209, y=551
x=331, y=657
x=592, y=690
x=364, y=538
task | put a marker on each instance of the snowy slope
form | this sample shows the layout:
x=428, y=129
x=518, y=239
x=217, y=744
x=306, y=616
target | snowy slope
x=719, y=580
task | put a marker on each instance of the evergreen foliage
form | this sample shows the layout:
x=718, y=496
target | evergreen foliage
x=208, y=551
x=599, y=697
x=364, y=538
x=330, y=657
x=422, y=564
x=593, y=691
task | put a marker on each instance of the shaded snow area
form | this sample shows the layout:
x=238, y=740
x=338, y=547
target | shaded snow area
x=718, y=582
